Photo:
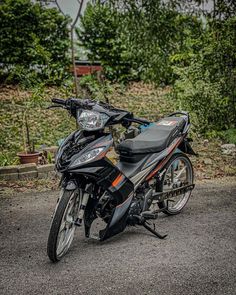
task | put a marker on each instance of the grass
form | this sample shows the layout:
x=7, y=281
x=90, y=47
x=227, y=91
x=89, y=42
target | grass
x=48, y=126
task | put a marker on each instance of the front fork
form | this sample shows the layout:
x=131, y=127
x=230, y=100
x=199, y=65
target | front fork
x=82, y=207
x=86, y=192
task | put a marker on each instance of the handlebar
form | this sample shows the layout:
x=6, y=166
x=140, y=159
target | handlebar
x=72, y=103
x=59, y=101
x=137, y=120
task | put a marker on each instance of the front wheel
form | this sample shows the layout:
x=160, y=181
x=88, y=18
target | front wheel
x=179, y=172
x=62, y=227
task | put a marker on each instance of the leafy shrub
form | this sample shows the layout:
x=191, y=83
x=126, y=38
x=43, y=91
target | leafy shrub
x=206, y=86
x=196, y=93
x=95, y=88
x=135, y=40
x=101, y=34
x=34, y=43
x=229, y=135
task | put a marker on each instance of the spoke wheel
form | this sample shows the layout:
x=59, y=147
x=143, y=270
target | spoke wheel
x=179, y=173
x=63, y=228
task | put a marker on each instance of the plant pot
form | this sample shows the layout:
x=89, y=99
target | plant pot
x=29, y=157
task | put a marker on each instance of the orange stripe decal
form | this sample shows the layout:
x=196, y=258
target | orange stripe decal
x=118, y=179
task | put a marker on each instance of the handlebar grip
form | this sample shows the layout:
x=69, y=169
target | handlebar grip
x=59, y=101
x=141, y=120
x=137, y=120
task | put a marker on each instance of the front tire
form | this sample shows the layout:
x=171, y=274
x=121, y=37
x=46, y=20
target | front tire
x=62, y=227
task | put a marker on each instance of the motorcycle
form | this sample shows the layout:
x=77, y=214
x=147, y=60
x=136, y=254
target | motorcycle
x=153, y=173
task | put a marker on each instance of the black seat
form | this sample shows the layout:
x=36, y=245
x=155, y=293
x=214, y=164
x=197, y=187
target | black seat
x=154, y=139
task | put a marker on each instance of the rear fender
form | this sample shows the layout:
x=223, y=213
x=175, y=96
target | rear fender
x=185, y=147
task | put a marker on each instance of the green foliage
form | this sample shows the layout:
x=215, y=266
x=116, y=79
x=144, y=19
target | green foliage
x=95, y=87
x=229, y=135
x=49, y=158
x=148, y=40
x=34, y=43
x=206, y=86
x=102, y=36
x=6, y=159
x=168, y=43
x=135, y=42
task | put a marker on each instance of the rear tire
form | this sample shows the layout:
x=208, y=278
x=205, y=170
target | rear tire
x=171, y=165
x=67, y=208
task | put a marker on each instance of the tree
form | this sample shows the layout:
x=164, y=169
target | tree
x=34, y=42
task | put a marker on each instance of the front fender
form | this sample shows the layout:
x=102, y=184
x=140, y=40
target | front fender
x=68, y=183
x=70, y=186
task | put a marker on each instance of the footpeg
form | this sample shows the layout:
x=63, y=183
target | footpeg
x=149, y=215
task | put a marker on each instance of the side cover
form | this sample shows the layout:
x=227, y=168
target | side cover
x=112, y=180
x=121, y=189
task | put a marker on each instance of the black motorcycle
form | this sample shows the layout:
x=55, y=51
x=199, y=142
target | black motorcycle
x=153, y=173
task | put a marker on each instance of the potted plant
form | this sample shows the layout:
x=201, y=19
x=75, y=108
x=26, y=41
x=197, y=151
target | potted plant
x=29, y=155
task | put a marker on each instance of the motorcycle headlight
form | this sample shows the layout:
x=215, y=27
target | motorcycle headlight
x=91, y=120
x=89, y=156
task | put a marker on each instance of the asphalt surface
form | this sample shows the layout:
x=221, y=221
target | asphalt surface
x=197, y=257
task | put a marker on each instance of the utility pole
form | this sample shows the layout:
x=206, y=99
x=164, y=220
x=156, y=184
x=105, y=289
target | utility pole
x=72, y=31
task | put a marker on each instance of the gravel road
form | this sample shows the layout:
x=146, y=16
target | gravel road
x=197, y=257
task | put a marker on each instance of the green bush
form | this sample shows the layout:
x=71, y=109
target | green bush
x=95, y=88
x=229, y=135
x=135, y=42
x=206, y=86
x=101, y=34
x=34, y=43
x=196, y=93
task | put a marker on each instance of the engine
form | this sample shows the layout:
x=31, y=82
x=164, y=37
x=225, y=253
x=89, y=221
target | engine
x=105, y=206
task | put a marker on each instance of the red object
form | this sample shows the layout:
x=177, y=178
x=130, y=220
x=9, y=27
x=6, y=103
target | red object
x=82, y=70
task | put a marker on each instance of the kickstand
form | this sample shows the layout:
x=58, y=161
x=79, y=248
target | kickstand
x=142, y=221
x=153, y=231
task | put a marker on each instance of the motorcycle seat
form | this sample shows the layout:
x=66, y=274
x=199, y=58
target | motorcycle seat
x=153, y=139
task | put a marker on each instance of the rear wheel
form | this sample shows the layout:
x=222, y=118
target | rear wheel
x=63, y=228
x=179, y=173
